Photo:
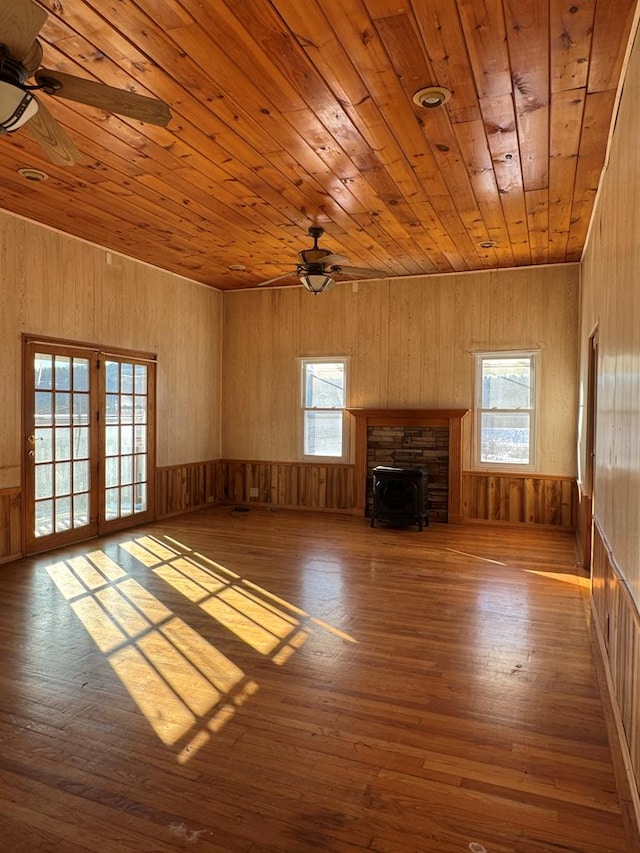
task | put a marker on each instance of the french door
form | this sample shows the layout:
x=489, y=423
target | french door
x=89, y=449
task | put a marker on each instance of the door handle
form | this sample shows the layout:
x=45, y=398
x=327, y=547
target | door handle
x=32, y=440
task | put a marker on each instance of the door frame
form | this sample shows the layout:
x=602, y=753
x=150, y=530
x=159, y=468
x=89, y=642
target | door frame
x=97, y=525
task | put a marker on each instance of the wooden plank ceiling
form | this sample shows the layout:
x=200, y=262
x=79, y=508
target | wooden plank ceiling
x=288, y=114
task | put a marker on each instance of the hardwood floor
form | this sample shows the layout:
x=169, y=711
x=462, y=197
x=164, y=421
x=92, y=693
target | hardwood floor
x=280, y=682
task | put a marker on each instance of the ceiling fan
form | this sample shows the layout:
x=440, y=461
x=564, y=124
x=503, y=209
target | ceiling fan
x=317, y=267
x=20, y=58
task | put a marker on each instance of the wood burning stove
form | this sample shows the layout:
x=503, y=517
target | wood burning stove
x=400, y=496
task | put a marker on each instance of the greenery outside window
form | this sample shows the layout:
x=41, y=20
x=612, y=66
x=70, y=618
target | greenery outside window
x=505, y=410
x=324, y=394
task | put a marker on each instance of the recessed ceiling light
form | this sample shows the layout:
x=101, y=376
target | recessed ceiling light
x=237, y=267
x=35, y=175
x=431, y=96
x=488, y=244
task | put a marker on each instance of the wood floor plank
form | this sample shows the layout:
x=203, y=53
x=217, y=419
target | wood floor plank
x=281, y=682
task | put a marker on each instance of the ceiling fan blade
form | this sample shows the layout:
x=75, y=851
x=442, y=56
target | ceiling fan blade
x=360, y=272
x=20, y=23
x=105, y=97
x=53, y=138
x=334, y=259
x=277, y=278
x=33, y=57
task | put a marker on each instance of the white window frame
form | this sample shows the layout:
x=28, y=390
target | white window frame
x=337, y=359
x=479, y=359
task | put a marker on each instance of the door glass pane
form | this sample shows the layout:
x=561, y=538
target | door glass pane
x=126, y=469
x=61, y=443
x=112, y=504
x=80, y=374
x=126, y=500
x=140, y=491
x=43, y=370
x=112, y=472
x=81, y=409
x=126, y=439
x=44, y=481
x=44, y=408
x=112, y=377
x=112, y=436
x=80, y=443
x=63, y=373
x=44, y=445
x=126, y=404
x=126, y=378
x=63, y=514
x=63, y=478
x=80, y=510
x=140, y=386
x=81, y=477
x=44, y=518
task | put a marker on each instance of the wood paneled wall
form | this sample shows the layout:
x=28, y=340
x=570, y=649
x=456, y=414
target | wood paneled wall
x=520, y=498
x=57, y=286
x=10, y=524
x=411, y=343
x=182, y=488
x=617, y=622
x=291, y=485
x=610, y=301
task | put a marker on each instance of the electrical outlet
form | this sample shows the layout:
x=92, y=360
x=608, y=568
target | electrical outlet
x=253, y=493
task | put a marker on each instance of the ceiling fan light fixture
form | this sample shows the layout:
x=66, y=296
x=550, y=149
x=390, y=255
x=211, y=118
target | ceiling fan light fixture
x=16, y=107
x=431, y=97
x=315, y=282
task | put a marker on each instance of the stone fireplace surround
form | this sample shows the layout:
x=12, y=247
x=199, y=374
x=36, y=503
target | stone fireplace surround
x=370, y=423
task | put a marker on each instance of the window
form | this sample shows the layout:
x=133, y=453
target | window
x=323, y=407
x=505, y=409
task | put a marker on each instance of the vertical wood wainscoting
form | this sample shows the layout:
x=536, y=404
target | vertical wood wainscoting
x=182, y=488
x=520, y=498
x=10, y=524
x=290, y=485
x=617, y=624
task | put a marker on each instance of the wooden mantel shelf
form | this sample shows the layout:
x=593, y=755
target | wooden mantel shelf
x=451, y=418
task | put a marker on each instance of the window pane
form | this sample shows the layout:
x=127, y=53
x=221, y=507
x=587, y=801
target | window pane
x=126, y=439
x=506, y=383
x=323, y=433
x=112, y=405
x=141, y=410
x=324, y=385
x=141, y=468
x=505, y=438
